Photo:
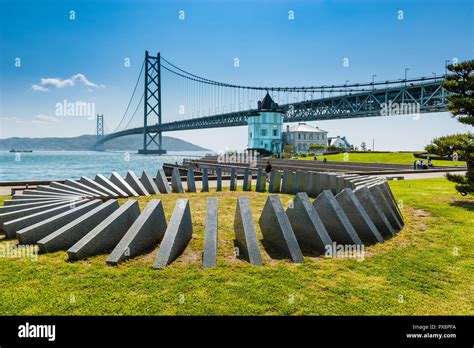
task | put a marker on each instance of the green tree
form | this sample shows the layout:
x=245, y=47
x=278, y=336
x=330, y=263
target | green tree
x=461, y=85
x=316, y=148
x=363, y=146
x=461, y=105
x=289, y=150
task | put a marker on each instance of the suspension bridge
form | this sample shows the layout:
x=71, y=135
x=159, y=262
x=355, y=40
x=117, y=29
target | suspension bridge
x=174, y=99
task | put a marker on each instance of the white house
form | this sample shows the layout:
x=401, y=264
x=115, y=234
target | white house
x=303, y=135
x=340, y=142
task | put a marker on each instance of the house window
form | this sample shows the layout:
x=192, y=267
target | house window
x=304, y=136
x=275, y=132
x=299, y=136
x=263, y=132
x=250, y=134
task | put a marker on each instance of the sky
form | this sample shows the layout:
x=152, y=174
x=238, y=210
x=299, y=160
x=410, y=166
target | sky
x=59, y=52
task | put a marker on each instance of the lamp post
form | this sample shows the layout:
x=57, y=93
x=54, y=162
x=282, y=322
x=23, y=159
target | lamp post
x=406, y=69
x=434, y=75
x=373, y=81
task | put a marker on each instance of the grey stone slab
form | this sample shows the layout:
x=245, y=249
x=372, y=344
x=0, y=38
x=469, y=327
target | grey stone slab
x=75, y=190
x=41, y=229
x=219, y=179
x=12, y=226
x=261, y=184
x=105, y=236
x=317, y=184
x=312, y=184
x=368, y=182
x=205, y=180
x=103, y=181
x=78, y=184
x=134, y=182
x=60, y=191
x=95, y=185
x=333, y=183
x=68, y=235
x=324, y=182
x=335, y=220
x=358, y=217
x=9, y=216
x=190, y=180
x=48, y=191
x=302, y=181
x=347, y=178
x=18, y=199
x=385, y=206
x=307, y=225
x=245, y=234
x=149, y=183
x=11, y=208
x=162, y=182
x=288, y=182
x=276, y=229
x=391, y=200
x=176, y=184
x=374, y=211
x=210, y=239
x=233, y=179
x=247, y=184
x=177, y=235
x=275, y=181
x=340, y=183
x=146, y=232
x=123, y=185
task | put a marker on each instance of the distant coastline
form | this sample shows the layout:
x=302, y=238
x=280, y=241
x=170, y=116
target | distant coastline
x=86, y=142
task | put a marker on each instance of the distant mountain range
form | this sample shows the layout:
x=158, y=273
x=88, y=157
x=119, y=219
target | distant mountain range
x=85, y=142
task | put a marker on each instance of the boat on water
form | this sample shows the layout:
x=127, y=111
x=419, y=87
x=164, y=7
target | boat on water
x=14, y=150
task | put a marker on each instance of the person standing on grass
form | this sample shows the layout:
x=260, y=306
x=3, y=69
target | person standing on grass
x=414, y=165
x=268, y=169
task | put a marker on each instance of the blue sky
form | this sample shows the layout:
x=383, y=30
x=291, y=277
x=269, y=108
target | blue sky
x=84, y=58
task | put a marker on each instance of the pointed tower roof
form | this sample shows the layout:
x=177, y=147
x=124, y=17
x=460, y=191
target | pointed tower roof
x=268, y=103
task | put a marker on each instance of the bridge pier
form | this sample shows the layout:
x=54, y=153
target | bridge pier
x=151, y=152
x=152, y=106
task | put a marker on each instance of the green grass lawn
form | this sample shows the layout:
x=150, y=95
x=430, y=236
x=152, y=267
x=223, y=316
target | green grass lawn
x=426, y=269
x=386, y=157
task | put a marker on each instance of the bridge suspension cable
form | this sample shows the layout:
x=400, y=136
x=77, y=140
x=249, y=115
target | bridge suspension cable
x=295, y=89
x=136, y=109
x=131, y=98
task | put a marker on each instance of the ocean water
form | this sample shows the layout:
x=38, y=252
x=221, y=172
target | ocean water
x=40, y=165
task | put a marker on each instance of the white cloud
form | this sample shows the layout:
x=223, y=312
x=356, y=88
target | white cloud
x=38, y=88
x=44, y=119
x=56, y=82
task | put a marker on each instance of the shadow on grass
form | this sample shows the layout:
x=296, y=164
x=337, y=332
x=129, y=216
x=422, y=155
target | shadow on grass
x=468, y=205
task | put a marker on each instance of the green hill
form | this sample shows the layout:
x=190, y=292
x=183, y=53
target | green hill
x=85, y=142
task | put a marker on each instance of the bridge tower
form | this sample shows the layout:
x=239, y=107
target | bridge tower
x=152, y=141
x=99, y=132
